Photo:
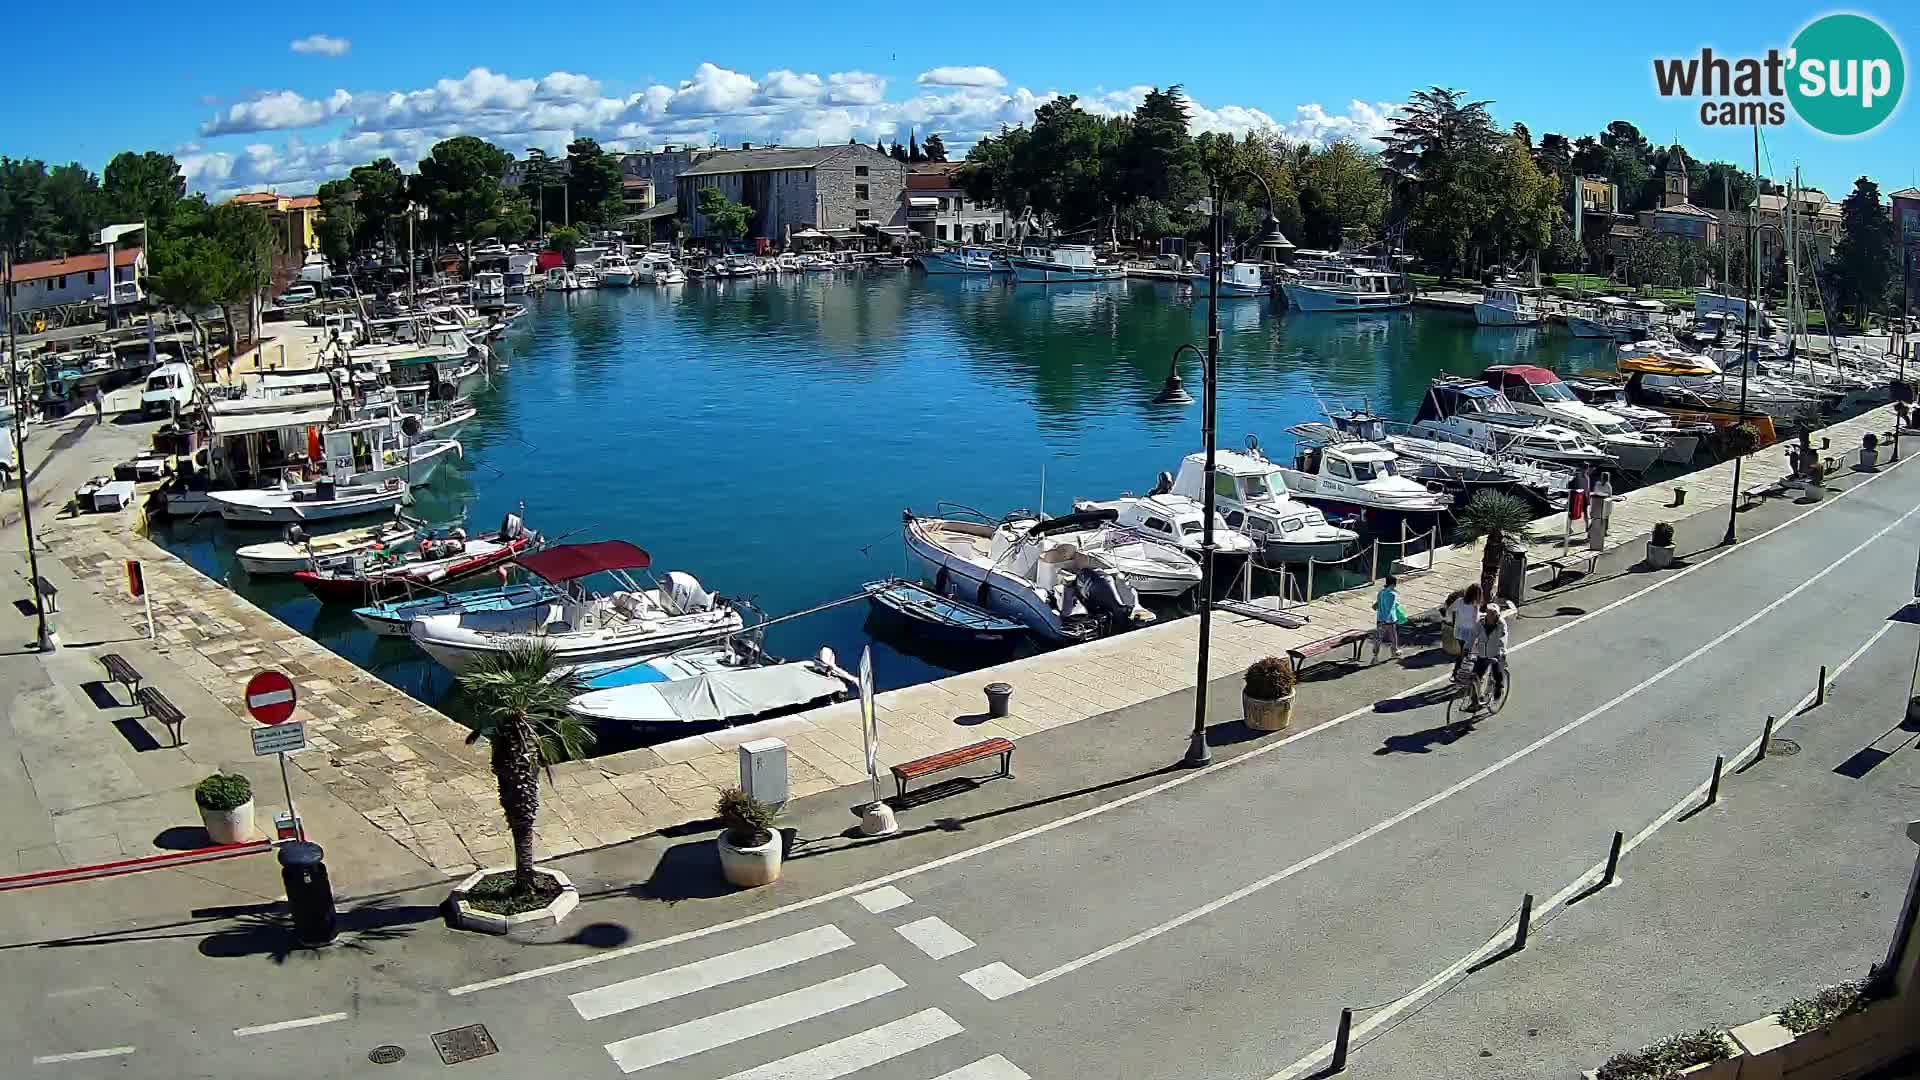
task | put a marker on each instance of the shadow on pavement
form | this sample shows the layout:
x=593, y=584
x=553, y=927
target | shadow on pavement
x=1419, y=699
x=596, y=935
x=686, y=871
x=100, y=694
x=183, y=838
x=267, y=933
x=1423, y=742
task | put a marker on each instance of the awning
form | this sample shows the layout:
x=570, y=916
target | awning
x=300, y=402
x=665, y=208
x=895, y=230
x=248, y=423
x=809, y=233
x=569, y=561
x=1527, y=373
x=714, y=697
x=923, y=203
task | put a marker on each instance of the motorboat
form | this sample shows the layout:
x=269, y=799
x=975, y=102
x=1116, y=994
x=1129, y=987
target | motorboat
x=583, y=626
x=788, y=262
x=1361, y=478
x=1682, y=437
x=434, y=562
x=716, y=684
x=615, y=272
x=1015, y=568
x=1236, y=279
x=302, y=552
x=393, y=618
x=1054, y=264
x=375, y=450
x=1347, y=288
x=561, y=279
x=960, y=260
x=1508, y=305
x=1155, y=567
x=324, y=500
x=1534, y=391
x=1252, y=497
x=655, y=268
x=1668, y=379
x=1180, y=521
x=489, y=288
x=1460, y=471
x=1475, y=414
x=1614, y=318
x=949, y=621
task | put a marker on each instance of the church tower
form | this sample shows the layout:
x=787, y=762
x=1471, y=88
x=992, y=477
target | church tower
x=1675, y=178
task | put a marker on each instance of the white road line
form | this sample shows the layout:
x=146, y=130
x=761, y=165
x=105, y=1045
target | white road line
x=987, y=1068
x=305, y=1021
x=1554, y=903
x=882, y=899
x=772, y=1014
x=996, y=980
x=1145, y=793
x=76, y=991
x=713, y=971
x=1456, y=788
x=856, y=1052
x=934, y=937
x=83, y=1055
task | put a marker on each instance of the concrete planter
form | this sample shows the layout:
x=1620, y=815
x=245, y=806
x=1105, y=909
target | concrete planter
x=233, y=826
x=525, y=924
x=1869, y=459
x=1659, y=556
x=1265, y=715
x=750, y=867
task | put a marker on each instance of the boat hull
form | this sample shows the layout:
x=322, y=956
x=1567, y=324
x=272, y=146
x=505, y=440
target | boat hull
x=291, y=513
x=1307, y=298
x=998, y=592
x=393, y=620
x=361, y=589
x=940, y=619
x=1033, y=273
x=1495, y=315
x=456, y=649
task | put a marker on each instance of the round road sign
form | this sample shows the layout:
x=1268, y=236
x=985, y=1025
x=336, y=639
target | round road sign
x=270, y=697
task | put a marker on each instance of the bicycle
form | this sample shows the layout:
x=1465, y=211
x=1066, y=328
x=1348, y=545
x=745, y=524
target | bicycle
x=1474, y=695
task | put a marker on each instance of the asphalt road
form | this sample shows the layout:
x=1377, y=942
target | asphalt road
x=1208, y=925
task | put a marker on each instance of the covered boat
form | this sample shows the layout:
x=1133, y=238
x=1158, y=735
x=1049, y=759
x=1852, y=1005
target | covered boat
x=391, y=618
x=942, y=618
x=711, y=685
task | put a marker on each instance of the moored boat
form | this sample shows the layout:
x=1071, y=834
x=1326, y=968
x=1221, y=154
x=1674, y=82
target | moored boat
x=302, y=552
x=434, y=563
x=941, y=618
x=391, y=618
x=323, y=500
x=1056, y=264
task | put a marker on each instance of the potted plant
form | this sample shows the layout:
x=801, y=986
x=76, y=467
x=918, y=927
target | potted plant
x=1869, y=451
x=226, y=807
x=1660, y=546
x=749, y=845
x=1816, y=480
x=1267, y=698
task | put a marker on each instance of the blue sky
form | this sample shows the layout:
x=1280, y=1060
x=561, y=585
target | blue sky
x=221, y=85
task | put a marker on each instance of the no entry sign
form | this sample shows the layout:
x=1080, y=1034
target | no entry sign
x=270, y=697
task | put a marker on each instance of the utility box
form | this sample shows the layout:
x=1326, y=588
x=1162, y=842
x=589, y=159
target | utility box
x=763, y=770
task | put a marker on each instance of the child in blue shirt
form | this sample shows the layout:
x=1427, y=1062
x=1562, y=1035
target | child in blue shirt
x=1386, y=614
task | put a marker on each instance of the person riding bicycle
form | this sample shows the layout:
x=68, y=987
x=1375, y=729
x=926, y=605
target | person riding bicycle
x=1488, y=648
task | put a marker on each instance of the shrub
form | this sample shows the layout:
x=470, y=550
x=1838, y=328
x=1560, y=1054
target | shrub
x=1270, y=679
x=748, y=821
x=1870, y=441
x=1663, y=535
x=1802, y=1015
x=1742, y=439
x=1666, y=1058
x=223, y=791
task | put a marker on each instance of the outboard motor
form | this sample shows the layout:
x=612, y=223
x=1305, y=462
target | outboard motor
x=296, y=535
x=1108, y=593
x=512, y=527
x=1162, y=485
x=681, y=594
x=326, y=490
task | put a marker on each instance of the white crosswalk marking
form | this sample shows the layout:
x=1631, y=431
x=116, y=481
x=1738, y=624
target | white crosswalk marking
x=758, y=1018
x=987, y=1068
x=856, y=1052
x=934, y=937
x=996, y=980
x=714, y=971
x=884, y=898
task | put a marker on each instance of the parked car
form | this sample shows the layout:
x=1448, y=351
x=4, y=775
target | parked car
x=297, y=294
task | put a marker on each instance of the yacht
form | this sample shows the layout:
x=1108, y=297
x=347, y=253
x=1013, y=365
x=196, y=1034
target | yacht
x=1508, y=305
x=1344, y=288
x=1535, y=391
x=655, y=268
x=1015, y=568
x=1252, y=496
x=489, y=288
x=1361, y=478
x=1460, y=471
x=1178, y=520
x=1612, y=317
x=1682, y=437
x=1236, y=279
x=616, y=272
x=1154, y=566
x=960, y=260
x=1475, y=414
x=1054, y=264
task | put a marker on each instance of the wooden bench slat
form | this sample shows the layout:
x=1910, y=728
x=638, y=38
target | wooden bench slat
x=159, y=708
x=948, y=759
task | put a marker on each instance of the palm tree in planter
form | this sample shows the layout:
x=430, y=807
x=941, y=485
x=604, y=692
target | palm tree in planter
x=521, y=710
x=1495, y=515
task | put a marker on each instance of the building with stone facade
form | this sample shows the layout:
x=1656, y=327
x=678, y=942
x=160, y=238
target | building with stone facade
x=663, y=167
x=941, y=213
x=843, y=191
x=1906, y=226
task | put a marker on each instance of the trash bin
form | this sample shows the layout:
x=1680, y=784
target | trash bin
x=309, y=893
x=1512, y=582
x=999, y=695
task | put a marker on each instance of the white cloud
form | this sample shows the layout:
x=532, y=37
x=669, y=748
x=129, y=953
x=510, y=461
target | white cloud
x=711, y=91
x=974, y=76
x=274, y=111
x=1363, y=121
x=320, y=45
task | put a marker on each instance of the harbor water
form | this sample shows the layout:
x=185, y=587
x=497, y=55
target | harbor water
x=765, y=434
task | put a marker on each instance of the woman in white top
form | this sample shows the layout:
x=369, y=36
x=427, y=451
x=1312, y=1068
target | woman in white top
x=1463, y=613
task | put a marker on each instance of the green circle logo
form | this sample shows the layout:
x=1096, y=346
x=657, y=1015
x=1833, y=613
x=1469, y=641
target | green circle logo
x=1847, y=74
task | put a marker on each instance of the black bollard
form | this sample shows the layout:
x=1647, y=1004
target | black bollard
x=1713, y=788
x=1526, y=917
x=1340, y=1039
x=1613, y=859
x=309, y=893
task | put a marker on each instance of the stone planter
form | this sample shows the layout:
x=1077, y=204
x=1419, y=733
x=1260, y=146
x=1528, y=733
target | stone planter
x=1265, y=715
x=1659, y=556
x=750, y=867
x=233, y=826
x=525, y=924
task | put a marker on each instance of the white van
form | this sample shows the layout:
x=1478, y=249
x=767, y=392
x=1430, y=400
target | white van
x=169, y=391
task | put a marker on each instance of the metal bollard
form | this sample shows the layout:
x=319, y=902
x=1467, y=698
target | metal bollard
x=1613, y=859
x=1340, y=1040
x=1713, y=789
x=309, y=893
x=1766, y=739
x=1820, y=691
x=1526, y=917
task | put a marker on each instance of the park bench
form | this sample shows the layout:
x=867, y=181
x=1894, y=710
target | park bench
x=166, y=712
x=1585, y=560
x=46, y=596
x=950, y=759
x=124, y=673
x=1300, y=654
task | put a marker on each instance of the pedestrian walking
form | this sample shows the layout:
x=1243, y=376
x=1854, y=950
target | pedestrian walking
x=1462, y=613
x=99, y=404
x=1599, y=511
x=1387, y=616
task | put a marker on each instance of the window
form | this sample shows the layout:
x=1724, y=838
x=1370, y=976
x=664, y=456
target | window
x=63, y=281
x=940, y=232
x=1223, y=486
x=1338, y=468
x=999, y=230
x=861, y=214
x=1154, y=524
x=859, y=170
x=89, y=277
x=860, y=192
x=1235, y=519
x=943, y=202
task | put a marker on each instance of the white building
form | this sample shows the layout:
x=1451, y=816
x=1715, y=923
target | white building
x=939, y=211
x=79, y=279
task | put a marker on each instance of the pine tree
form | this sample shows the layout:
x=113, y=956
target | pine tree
x=934, y=148
x=914, y=155
x=898, y=153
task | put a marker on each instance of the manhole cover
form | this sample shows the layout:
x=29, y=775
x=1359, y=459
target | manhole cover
x=1783, y=747
x=385, y=1055
x=464, y=1043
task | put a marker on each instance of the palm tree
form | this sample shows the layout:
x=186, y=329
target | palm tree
x=521, y=709
x=1495, y=515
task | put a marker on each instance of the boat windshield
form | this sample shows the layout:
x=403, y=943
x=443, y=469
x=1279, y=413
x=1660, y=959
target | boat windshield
x=1256, y=487
x=1554, y=392
x=1371, y=470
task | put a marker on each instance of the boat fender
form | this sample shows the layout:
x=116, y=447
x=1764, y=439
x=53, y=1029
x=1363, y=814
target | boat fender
x=941, y=580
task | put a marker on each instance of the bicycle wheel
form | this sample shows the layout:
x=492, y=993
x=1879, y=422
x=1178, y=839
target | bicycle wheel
x=1492, y=702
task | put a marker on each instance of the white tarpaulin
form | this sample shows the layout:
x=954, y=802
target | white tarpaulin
x=714, y=697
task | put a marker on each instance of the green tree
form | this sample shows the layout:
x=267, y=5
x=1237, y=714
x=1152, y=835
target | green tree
x=935, y=147
x=565, y=240
x=459, y=182
x=898, y=153
x=537, y=176
x=1445, y=141
x=1723, y=186
x=521, y=710
x=1340, y=190
x=511, y=219
x=1629, y=164
x=913, y=149
x=1867, y=259
x=382, y=203
x=1554, y=156
x=1157, y=159
x=75, y=205
x=1496, y=516
x=26, y=219
x=991, y=172
x=725, y=218
x=142, y=187
x=185, y=268
x=595, y=185
x=335, y=230
x=244, y=238
x=1522, y=204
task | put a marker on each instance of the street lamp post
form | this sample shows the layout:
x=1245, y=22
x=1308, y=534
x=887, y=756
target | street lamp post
x=1746, y=367
x=1198, y=752
x=45, y=637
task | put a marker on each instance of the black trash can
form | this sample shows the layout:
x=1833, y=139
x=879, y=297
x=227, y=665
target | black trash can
x=309, y=893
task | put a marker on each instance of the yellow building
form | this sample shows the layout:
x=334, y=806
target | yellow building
x=294, y=218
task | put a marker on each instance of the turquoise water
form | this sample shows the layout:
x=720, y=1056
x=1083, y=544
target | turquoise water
x=764, y=435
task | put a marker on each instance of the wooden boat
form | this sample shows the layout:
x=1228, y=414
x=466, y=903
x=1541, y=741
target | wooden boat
x=300, y=552
x=436, y=563
x=301, y=503
x=931, y=615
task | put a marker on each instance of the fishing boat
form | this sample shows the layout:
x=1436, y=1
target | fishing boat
x=1353, y=476
x=302, y=552
x=1346, y=288
x=960, y=260
x=324, y=500
x=434, y=563
x=1614, y=318
x=951, y=622
x=1462, y=410
x=1236, y=279
x=1252, y=497
x=1534, y=391
x=583, y=626
x=1508, y=305
x=1014, y=568
x=1056, y=264
x=718, y=684
x=392, y=618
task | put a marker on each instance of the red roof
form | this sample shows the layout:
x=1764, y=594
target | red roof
x=74, y=264
x=569, y=561
x=1526, y=373
x=262, y=197
x=303, y=202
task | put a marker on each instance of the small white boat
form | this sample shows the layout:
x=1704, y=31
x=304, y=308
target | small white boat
x=615, y=272
x=1535, y=391
x=1236, y=279
x=657, y=269
x=1062, y=264
x=1363, y=478
x=1612, y=317
x=1180, y=521
x=302, y=552
x=960, y=260
x=1477, y=415
x=1252, y=496
x=1155, y=567
x=561, y=279
x=1341, y=288
x=301, y=503
x=1016, y=569
x=1508, y=305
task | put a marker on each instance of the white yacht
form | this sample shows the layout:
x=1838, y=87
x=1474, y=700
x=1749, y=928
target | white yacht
x=1508, y=305
x=615, y=271
x=1236, y=279
x=1535, y=391
x=1343, y=288
x=1016, y=569
x=1477, y=415
x=1682, y=437
x=960, y=260
x=1153, y=566
x=489, y=288
x=655, y=268
x=561, y=279
x=1177, y=520
x=1363, y=479
x=1052, y=264
x=1252, y=496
